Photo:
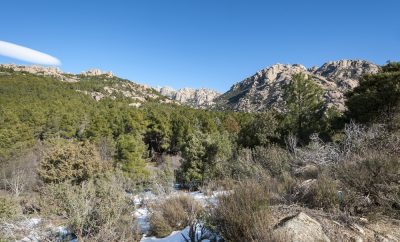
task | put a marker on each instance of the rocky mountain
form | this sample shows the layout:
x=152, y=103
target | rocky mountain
x=198, y=98
x=264, y=90
x=259, y=92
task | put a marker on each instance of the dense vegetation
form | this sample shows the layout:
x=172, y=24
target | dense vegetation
x=55, y=140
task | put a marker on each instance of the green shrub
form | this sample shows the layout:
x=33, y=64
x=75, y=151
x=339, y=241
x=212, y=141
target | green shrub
x=95, y=209
x=71, y=161
x=9, y=207
x=380, y=91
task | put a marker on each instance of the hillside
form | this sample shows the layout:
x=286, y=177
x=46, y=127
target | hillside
x=94, y=83
x=92, y=157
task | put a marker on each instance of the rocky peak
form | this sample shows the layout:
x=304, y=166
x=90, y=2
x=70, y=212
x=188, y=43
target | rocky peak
x=264, y=90
x=41, y=70
x=271, y=74
x=345, y=73
x=166, y=91
x=97, y=72
x=199, y=98
x=34, y=69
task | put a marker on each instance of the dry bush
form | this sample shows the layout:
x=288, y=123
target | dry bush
x=317, y=152
x=72, y=161
x=162, y=179
x=359, y=139
x=174, y=213
x=96, y=210
x=243, y=166
x=373, y=182
x=243, y=215
x=370, y=169
x=16, y=182
x=217, y=185
x=273, y=159
x=325, y=193
x=19, y=172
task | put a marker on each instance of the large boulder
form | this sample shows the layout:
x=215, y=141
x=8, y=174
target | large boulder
x=300, y=228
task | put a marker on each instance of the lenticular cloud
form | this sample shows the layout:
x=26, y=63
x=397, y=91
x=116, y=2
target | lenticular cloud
x=25, y=54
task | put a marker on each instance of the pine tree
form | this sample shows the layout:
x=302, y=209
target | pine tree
x=304, y=106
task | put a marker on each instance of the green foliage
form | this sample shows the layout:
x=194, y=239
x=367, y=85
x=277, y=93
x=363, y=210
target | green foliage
x=36, y=109
x=273, y=159
x=9, y=207
x=262, y=130
x=377, y=95
x=158, y=130
x=203, y=157
x=242, y=166
x=305, y=106
x=71, y=161
x=130, y=154
x=97, y=209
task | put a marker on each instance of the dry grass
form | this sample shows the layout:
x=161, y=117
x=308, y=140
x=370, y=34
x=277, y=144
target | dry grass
x=174, y=213
x=95, y=210
x=243, y=215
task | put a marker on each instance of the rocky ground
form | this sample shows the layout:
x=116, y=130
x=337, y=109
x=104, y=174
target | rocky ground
x=291, y=223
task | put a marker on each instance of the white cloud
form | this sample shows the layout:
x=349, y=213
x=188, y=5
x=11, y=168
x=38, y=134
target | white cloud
x=25, y=54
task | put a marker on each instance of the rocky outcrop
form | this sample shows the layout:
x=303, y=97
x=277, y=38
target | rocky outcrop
x=97, y=72
x=300, y=228
x=198, y=98
x=41, y=70
x=264, y=90
x=346, y=73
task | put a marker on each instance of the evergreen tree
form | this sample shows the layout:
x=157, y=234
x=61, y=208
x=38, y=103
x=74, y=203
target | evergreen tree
x=304, y=106
x=130, y=154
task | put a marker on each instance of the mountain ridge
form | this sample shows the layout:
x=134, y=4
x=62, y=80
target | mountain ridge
x=264, y=89
x=259, y=92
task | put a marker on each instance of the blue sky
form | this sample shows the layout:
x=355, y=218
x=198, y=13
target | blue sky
x=207, y=43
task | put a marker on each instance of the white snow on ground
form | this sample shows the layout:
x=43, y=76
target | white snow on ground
x=175, y=236
x=142, y=216
x=36, y=229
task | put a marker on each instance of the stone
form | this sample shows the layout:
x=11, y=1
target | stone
x=301, y=228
